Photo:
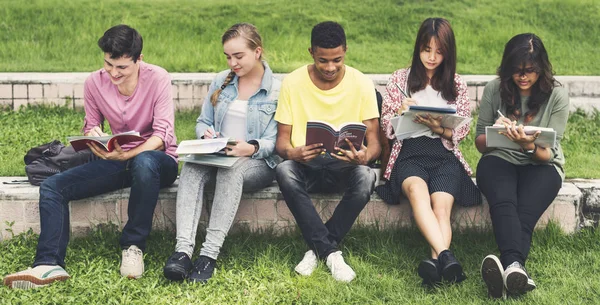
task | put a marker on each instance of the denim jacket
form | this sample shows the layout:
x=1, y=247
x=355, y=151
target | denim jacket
x=261, y=128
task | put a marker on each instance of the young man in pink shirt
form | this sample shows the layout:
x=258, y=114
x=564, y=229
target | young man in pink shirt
x=131, y=95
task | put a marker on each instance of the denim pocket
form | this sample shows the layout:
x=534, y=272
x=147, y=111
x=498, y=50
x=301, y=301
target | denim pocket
x=266, y=112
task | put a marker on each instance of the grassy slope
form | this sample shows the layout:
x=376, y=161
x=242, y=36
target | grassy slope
x=184, y=35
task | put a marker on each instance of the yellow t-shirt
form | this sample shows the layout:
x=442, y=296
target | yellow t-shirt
x=352, y=100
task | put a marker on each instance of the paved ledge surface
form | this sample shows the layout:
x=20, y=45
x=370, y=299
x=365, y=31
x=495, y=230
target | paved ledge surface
x=266, y=209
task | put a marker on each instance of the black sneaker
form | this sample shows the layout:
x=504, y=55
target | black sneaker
x=203, y=270
x=452, y=271
x=492, y=274
x=516, y=279
x=178, y=267
x=429, y=271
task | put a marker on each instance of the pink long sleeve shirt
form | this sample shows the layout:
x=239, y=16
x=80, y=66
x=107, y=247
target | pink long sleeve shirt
x=149, y=110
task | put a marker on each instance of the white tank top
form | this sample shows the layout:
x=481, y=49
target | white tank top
x=234, y=122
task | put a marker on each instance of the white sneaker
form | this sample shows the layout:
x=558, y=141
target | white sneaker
x=308, y=264
x=338, y=267
x=38, y=276
x=132, y=263
x=492, y=273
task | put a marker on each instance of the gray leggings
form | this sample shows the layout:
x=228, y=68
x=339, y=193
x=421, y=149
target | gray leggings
x=246, y=175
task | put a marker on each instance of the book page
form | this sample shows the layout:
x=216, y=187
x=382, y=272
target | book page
x=203, y=146
x=493, y=137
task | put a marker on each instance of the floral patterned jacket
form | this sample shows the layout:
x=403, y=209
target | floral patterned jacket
x=392, y=102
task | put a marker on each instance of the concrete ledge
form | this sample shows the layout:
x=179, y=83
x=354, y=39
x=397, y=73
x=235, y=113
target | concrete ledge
x=190, y=89
x=264, y=209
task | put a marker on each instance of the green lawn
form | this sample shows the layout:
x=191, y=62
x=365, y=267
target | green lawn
x=184, y=35
x=35, y=125
x=258, y=269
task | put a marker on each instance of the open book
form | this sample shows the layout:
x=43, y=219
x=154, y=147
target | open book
x=493, y=138
x=330, y=136
x=216, y=160
x=203, y=146
x=405, y=127
x=106, y=142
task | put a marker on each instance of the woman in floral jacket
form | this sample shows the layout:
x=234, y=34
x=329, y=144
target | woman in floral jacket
x=428, y=168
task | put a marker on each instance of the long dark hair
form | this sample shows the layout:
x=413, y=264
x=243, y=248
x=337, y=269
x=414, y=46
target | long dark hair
x=443, y=79
x=520, y=51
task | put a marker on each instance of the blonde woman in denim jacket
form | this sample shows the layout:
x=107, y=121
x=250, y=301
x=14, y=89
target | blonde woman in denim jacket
x=241, y=103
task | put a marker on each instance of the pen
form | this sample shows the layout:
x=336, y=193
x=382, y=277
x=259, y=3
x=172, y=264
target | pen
x=401, y=91
x=500, y=113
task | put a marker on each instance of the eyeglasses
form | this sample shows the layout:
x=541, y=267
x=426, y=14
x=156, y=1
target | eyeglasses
x=526, y=71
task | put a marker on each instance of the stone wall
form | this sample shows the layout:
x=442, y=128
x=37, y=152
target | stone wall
x=190, y=89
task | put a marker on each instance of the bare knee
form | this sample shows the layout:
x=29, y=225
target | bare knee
x=414, y=187
x=442, y=211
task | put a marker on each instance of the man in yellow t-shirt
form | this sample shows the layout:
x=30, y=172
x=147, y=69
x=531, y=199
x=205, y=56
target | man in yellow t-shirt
x=326, y=90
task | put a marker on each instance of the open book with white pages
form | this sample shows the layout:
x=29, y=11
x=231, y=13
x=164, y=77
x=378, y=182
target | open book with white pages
x=405, y=127
x=495, y=138
x=203, y=146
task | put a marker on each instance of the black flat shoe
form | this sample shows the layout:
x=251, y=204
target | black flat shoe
x=429, y=271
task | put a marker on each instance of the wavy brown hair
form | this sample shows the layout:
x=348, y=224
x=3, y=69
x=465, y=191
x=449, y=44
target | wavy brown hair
x=253, y=41
x=520, y=51
x=443, y=79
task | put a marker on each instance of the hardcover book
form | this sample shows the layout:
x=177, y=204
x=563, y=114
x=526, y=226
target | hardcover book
x=105, y=142
x=330, y=136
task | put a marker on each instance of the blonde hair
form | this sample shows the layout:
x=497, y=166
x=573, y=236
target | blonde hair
x=253, y=41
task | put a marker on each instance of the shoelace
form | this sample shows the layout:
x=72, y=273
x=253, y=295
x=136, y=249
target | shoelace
x=202, y=265
x=131, y=255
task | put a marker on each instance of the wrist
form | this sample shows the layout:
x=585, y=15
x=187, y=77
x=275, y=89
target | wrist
x=531, y=151
x=528, y=146
x=255, y=146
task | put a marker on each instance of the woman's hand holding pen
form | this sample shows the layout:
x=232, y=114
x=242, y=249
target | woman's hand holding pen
x=406, y=103
x=210, y=134
x=516, y=133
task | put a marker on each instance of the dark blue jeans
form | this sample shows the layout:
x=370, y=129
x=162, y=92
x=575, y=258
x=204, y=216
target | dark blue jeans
x=296, y=180
x=146, y=173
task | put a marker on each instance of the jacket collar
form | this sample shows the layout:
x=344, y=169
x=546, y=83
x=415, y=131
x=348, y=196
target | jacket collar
x=266, y=81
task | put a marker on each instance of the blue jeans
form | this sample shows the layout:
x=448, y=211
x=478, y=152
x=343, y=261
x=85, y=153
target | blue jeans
x=146, y=173
x=296, y=180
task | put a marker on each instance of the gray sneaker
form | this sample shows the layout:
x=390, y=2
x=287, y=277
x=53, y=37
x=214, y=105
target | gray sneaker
x=132, y=263
x=516, y=279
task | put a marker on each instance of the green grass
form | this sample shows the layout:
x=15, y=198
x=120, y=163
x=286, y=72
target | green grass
x=184, y=35
x=35, y=125
x=258, y=269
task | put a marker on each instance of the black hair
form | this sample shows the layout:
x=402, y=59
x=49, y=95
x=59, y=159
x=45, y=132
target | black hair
x=121, y=40
x=519, y=51
x=443, y=78
x=328, y=35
